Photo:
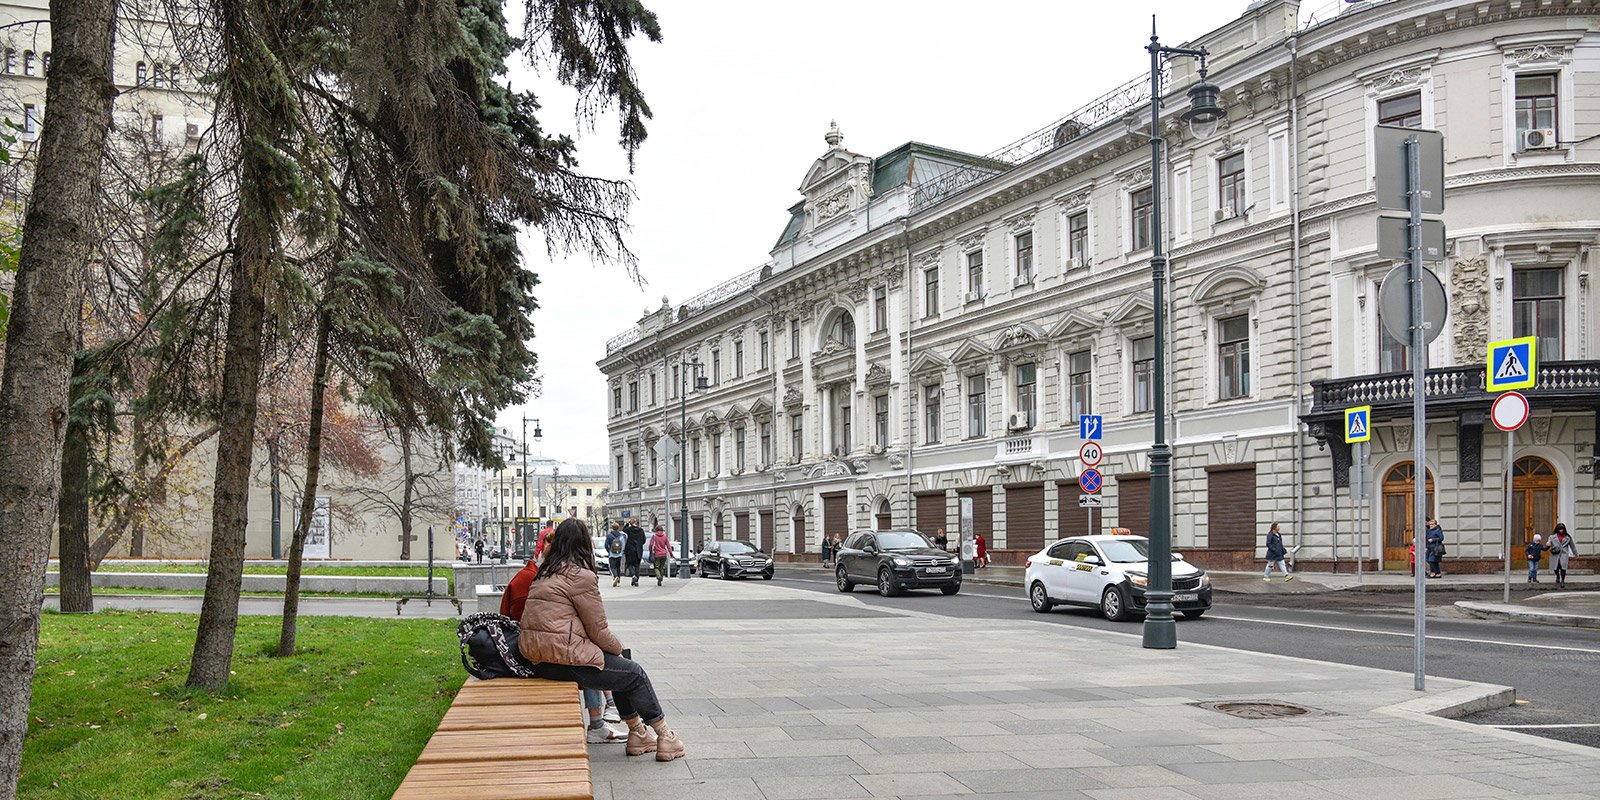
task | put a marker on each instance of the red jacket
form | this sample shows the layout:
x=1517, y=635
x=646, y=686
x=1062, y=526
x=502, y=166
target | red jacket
x=516, y=596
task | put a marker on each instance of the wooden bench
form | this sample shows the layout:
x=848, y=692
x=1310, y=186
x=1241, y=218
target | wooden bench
x=506, y=739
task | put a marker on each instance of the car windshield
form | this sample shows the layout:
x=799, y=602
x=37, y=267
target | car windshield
x=736, y=548
x=900, y=540
x=1126, y=551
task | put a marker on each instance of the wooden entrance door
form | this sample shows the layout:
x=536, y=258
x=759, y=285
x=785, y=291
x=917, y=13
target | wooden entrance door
x=1399, y=511
x=1533, y=500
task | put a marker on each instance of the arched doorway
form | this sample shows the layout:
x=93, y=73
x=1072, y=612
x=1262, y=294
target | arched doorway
x=882, y=516
x=1399, y=511
x=1533, y=499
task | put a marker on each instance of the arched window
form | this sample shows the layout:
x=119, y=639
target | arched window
x=141, y=73
x=883, y=518
x=44, y=61
x=173, y=77
x=157, y=76
x=29, y=62
x=843, y=329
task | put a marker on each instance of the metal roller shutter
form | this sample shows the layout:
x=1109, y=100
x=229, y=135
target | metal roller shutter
x=930, y=513
x=1070, y=519
x=1231, y=506
x=835, y=515
x=982, y=512
x=768, y=534
x=1025, y=517
x=1133, y=502
x=741, y=526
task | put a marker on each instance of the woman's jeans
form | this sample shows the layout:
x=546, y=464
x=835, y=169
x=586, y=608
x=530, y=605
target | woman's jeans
x=592, y=698
x=624, y=678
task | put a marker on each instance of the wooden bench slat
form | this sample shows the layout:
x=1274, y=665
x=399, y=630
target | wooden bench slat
x=527, y=743
x=546, y=779
x=498, y=717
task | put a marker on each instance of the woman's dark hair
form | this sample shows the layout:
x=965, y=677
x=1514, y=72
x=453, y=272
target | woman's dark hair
x=570, y=544
x=1561, y=527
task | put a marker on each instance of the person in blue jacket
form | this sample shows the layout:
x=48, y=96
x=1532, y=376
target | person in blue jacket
x=1435, y=547
x=1535, y=553
x=1276, y=555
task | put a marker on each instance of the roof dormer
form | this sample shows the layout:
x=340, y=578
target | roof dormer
x=838, y=183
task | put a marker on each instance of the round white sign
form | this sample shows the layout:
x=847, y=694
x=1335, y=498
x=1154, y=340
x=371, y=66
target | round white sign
x=1090, y=454
x=1509, y=411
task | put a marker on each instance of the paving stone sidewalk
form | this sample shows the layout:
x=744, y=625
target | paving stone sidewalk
x=783, y=694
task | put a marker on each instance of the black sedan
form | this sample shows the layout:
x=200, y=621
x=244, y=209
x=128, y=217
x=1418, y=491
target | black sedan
x=894, y=561
x=733, y=559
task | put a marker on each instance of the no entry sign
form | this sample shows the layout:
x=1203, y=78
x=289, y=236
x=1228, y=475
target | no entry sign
x=1509, y=411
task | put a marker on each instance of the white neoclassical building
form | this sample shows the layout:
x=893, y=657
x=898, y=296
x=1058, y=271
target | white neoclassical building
x=931, y=324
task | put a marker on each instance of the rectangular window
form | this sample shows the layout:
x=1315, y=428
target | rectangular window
x=766, y=443
x=653, y=400
x=11, y=62
x=1079, y=381
x=766, y=351
x=880, y=309
x=716, y=454
x=977, y=406
x=1230, y=185
x=794, y=338
x=932, y=414
x=716, y=367
x=677, y=383
x=1144, y=359
x=930, y=292
x=157, y=129
x=1027, y=394
x=738, y=449
x=796, y=436
x=880, y=420
x=30, y=119
x=655, y=467
x=1024, y=250
x=633, y=458
x=1391, y=351
x=1078, y=238
x=29, y=62
x=844, y=425
x=738, y=358
x=1536, y=103
x=633, y=395
x=975, y=273
x=1537, y=308
x=619, y=472
x=158, y=76
x=616, y=400
x=1142, y=204
x=694, y=453
x=1404, y=111
x=1233, y=357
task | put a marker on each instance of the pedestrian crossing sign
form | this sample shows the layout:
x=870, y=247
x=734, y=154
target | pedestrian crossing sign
x=1512, y=364
x=1357, y=424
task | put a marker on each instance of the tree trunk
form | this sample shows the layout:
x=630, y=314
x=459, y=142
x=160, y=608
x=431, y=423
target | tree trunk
x=308, y=500
x=57, y=244
x=407, y=494
x=77, y=595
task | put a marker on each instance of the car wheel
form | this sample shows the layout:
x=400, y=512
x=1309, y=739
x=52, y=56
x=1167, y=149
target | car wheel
x=722, y=572
x=1113, y=605
x=1040, y=598
x=766, y=576
x=951, y=589
x=886, y=584
x=1196, y=614
x=845, y=584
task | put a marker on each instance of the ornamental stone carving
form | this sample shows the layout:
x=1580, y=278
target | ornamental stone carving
x=1469, y=288
x=1402, y=438
x=833, y=205
x=877, y=375
x=1541, y=430
x=971, y=240
x=930, y=259
x=792, y=398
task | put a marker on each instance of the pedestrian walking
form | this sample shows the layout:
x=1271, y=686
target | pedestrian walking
x=1535, y=552
x=478, y=547
x=1276, y=554
x=827, y=549
x=660, y=551
x=614, y=541
x=633, y=551
x=940, y=540
x=983, y=551
x=1433, y=547
x=563, y=631
x=1562, y=550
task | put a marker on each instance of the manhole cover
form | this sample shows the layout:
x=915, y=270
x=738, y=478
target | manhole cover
x=1260, y=709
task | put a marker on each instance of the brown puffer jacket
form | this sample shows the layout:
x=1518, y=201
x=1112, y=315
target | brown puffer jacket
x=565, y=622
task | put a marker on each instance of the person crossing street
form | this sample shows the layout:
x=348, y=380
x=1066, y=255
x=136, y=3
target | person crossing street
x=632, y=551
x=614, y=542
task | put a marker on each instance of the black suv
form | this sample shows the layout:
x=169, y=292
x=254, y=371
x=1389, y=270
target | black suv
x=896, y=560
x=733, y=559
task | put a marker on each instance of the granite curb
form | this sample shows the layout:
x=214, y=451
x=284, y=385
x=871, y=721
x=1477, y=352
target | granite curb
x=1522, y=613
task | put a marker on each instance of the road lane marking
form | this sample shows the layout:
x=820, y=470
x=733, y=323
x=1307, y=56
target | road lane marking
x=1560, y=725
x=1408, y=635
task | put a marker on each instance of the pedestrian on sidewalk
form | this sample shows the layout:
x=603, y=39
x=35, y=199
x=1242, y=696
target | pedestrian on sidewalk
x=1276, y=555
x=1535, y=552
x=1562, y=550
x=478, y=547
x=827, y=549
x=1411, y=555
x=563, y=631
x=660, y=551
x=633, y=551
x=983, y=551
x=1434, y=548
x=940, y=540
x=614, y=542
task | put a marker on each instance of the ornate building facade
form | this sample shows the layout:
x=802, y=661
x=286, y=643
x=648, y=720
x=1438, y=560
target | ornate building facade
x=931, y=324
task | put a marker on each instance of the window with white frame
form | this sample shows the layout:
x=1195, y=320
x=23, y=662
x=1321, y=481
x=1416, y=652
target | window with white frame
x=11, y=61
x=1391, y=351
x=1230, y=186
x=158, y=129
x=616, y=400
x=694, y=454
x=1537, y=306
x=158, y=75
x=930, y=292
x=1141, y=209
x=1078, y=238
x=633, y=395
x=932, y=413
x=1233, y=357
x=794, y=338
x=1079, y=384
x=880, y=309
x=30, y=119
x=977, y=405
x=738, y=449
x=29, y=62
x=653, y=399
x=1022, y=247
x=1144, y=363
x=796, y=435
x=880, y=420
x=1027, y=376
x=1403, y=110
x=738, y=358
x=716, y=454
x=766, y=351
x=141, y=73
x=975, y=273
x=716, y=367
x=1536, y=109
x=766, y=442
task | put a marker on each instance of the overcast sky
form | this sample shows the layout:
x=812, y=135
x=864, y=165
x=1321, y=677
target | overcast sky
x=742, y=94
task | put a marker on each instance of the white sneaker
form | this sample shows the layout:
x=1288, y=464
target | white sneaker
x=607, y=734
x=610, y=712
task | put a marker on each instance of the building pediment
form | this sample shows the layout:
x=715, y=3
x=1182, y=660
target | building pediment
x=838, y=183
x=1228, y=285
x=1075, y=325
x=877, y=375
x=761, y=408
x=971, y=351
x=929, y=363
x=1018, y=336
x=1137, y=308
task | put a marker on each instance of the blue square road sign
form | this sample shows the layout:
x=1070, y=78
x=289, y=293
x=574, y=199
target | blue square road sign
x=1512, y=364
x=1090, y=426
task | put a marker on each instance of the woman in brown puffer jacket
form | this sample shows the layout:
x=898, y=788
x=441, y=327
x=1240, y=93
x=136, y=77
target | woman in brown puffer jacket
x=563, y=632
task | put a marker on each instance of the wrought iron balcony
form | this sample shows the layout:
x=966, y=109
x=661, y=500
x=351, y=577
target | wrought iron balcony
x=1570, y=384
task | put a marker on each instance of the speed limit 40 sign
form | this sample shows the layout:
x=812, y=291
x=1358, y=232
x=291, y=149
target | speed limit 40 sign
x=1090, y=454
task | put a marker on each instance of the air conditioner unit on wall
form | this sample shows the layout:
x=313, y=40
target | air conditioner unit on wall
x=1017, y=421
x=1074, y=263
x=1539, y=139
x=972, y=297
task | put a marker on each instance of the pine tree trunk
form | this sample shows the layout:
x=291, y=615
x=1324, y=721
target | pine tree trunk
x=308, y=500
x=407, y=498
x=57, y=243
x=77, y=594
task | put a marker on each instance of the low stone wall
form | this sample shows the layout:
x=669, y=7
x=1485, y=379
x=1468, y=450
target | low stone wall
x=470, y=576
x=343, y=584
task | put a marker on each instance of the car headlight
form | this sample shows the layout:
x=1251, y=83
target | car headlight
x=1205, y=580
x=1138, y=580
x=901, y=561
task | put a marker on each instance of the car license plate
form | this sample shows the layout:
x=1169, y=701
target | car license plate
x=1185, y=598
x=937, y=569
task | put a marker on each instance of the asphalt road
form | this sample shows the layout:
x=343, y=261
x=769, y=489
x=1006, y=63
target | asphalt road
x=1554, y=670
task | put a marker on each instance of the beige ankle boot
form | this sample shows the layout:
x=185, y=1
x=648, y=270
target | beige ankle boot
x=641, y=740
x=669, y=747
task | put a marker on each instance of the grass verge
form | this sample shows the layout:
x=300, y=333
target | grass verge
x=441, y=570
x=345, y=717
x=108, y=590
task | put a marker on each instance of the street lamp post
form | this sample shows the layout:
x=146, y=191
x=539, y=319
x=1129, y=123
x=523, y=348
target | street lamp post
x=538, y=434
x=683, y=457
x=1160, y=631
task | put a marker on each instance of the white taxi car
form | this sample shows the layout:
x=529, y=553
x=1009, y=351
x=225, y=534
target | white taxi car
x=1109, y=573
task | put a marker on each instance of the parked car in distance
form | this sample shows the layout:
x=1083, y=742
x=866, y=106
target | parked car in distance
x=601, y=564
x=895, y=560
x=728, y=559
x=1109, y=573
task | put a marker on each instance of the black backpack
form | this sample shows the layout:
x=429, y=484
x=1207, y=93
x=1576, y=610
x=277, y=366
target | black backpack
x=489, y=647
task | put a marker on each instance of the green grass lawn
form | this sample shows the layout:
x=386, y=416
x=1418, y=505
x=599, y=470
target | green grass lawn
x=344, y=718
x=53, y=590
x=440, y=570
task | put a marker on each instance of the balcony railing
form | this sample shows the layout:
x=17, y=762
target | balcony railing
x=1392, y=391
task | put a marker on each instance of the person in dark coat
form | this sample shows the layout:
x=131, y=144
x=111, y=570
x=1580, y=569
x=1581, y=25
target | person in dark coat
x=1434, y=547
x=1276, y=554
x=633, y=551
x=478, y=547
